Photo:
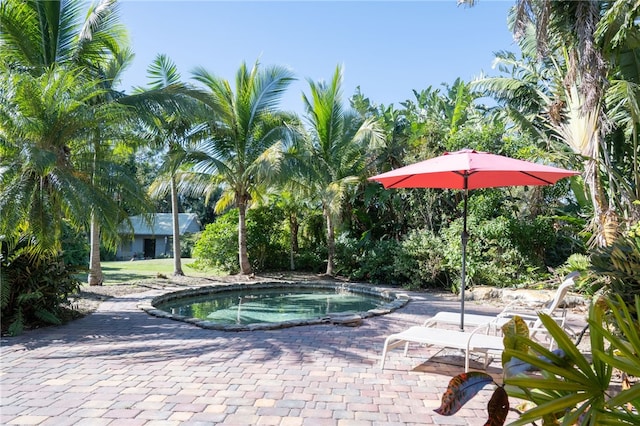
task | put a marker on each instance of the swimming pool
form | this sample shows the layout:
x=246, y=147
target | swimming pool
x=269, y=305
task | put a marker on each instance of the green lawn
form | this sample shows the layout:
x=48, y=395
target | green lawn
x=126, y=271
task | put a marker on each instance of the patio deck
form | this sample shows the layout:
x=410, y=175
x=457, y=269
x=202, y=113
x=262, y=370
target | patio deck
x=121, y=366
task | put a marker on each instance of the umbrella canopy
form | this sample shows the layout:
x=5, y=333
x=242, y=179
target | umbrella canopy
x=470, y=169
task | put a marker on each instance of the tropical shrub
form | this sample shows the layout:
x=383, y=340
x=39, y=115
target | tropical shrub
x=619, y=263
x=420, y=262
x=311, y=259
x=372, y=261
x=585, y=284
x=267, y=242
x=493, y=257
x=187, y=243
x=569, y=240
x=75, y=247
x=34, y=288
x=217, y=246
x=566, y=386
x=348, y=253
x=533, y=238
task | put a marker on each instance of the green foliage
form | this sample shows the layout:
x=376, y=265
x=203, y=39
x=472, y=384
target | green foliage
x=420, y=263
x=348, y=251
x=620, y=264
x=501, y=251
x=533, y=237
x=34, y=288
x=187, y=243
x=75, y=247
x=586, y=283
x=569, y=240
x=576, y=262
x=311, y=259
x=367, y=260
x=493, y=257
x=266, y=239
x=217, y=246
x=571, y=387
x=566, y=386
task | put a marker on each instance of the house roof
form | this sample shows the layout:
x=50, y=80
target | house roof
x=161, y=224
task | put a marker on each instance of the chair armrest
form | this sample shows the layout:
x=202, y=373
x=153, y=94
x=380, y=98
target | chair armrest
x=523, y=315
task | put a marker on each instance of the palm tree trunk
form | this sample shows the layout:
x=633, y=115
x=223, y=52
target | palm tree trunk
x=177, y=266
x=245, y=266
x=95, y=269
x=603, y=221
x=293, y=225
x=331, y=243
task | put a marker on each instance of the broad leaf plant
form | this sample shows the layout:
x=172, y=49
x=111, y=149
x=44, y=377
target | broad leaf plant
x=564, y=386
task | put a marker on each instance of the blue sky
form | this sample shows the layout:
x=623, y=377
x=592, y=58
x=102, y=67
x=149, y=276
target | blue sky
x=388, y=48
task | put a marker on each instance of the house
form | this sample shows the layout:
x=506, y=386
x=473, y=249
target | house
x=153, y=237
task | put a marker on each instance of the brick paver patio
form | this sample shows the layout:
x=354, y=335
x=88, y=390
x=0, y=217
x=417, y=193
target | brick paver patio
x=121, y=366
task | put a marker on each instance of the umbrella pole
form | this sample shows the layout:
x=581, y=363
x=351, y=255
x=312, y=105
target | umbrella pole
x=464, y=238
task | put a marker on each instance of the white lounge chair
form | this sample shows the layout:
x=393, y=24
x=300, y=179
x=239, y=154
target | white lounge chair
x=475, y=341
x=553, y=309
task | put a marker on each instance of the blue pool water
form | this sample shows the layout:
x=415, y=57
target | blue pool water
x=270, y=305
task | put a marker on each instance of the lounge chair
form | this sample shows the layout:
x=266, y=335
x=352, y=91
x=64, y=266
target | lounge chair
x=554, y=309
x=476, y=341
x=468, y=342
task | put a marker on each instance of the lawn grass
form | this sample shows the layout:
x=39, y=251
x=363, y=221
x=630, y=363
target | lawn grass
x=127, y=271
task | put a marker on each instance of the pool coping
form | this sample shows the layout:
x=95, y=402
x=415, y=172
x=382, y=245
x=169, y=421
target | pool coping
x=393, y=300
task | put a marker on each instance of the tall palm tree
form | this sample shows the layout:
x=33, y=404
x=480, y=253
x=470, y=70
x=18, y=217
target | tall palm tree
x=36, y=35
x=333, y=152
x=42, y=124
x=247, y=131
x=577, y=45
x=171, y=131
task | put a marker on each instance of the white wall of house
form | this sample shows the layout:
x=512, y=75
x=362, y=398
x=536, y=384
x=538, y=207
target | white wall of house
x=136, y=249
x=154, y=242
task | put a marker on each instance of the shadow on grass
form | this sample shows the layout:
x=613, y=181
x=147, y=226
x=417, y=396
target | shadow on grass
x=122, y=277
x=118, y=275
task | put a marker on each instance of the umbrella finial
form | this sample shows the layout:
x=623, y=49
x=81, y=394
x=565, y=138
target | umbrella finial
x=464, y=151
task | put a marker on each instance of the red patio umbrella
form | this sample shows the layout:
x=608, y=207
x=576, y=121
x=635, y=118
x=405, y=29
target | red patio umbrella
x=469, y=169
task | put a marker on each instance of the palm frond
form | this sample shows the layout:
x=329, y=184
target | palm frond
x=162, y=72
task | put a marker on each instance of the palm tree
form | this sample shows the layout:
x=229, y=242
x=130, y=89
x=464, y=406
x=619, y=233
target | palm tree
x=333, y=151
x=43, y=122
x=171, y=130
x=244, y=151
x=37, y=35
x=577, y=46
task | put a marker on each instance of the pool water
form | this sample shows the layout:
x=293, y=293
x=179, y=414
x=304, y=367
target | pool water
x=270, y=305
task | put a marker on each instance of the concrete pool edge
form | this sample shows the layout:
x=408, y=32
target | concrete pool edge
x=393, y=301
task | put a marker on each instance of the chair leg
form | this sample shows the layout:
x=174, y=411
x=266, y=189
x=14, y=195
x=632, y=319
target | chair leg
x=384, y=353
x=390, y=344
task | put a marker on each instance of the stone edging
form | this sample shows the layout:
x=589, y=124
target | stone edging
x=393, y=301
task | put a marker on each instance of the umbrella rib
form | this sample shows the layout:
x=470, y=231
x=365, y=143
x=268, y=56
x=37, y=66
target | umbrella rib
x=399, y=181
x=539, y=178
